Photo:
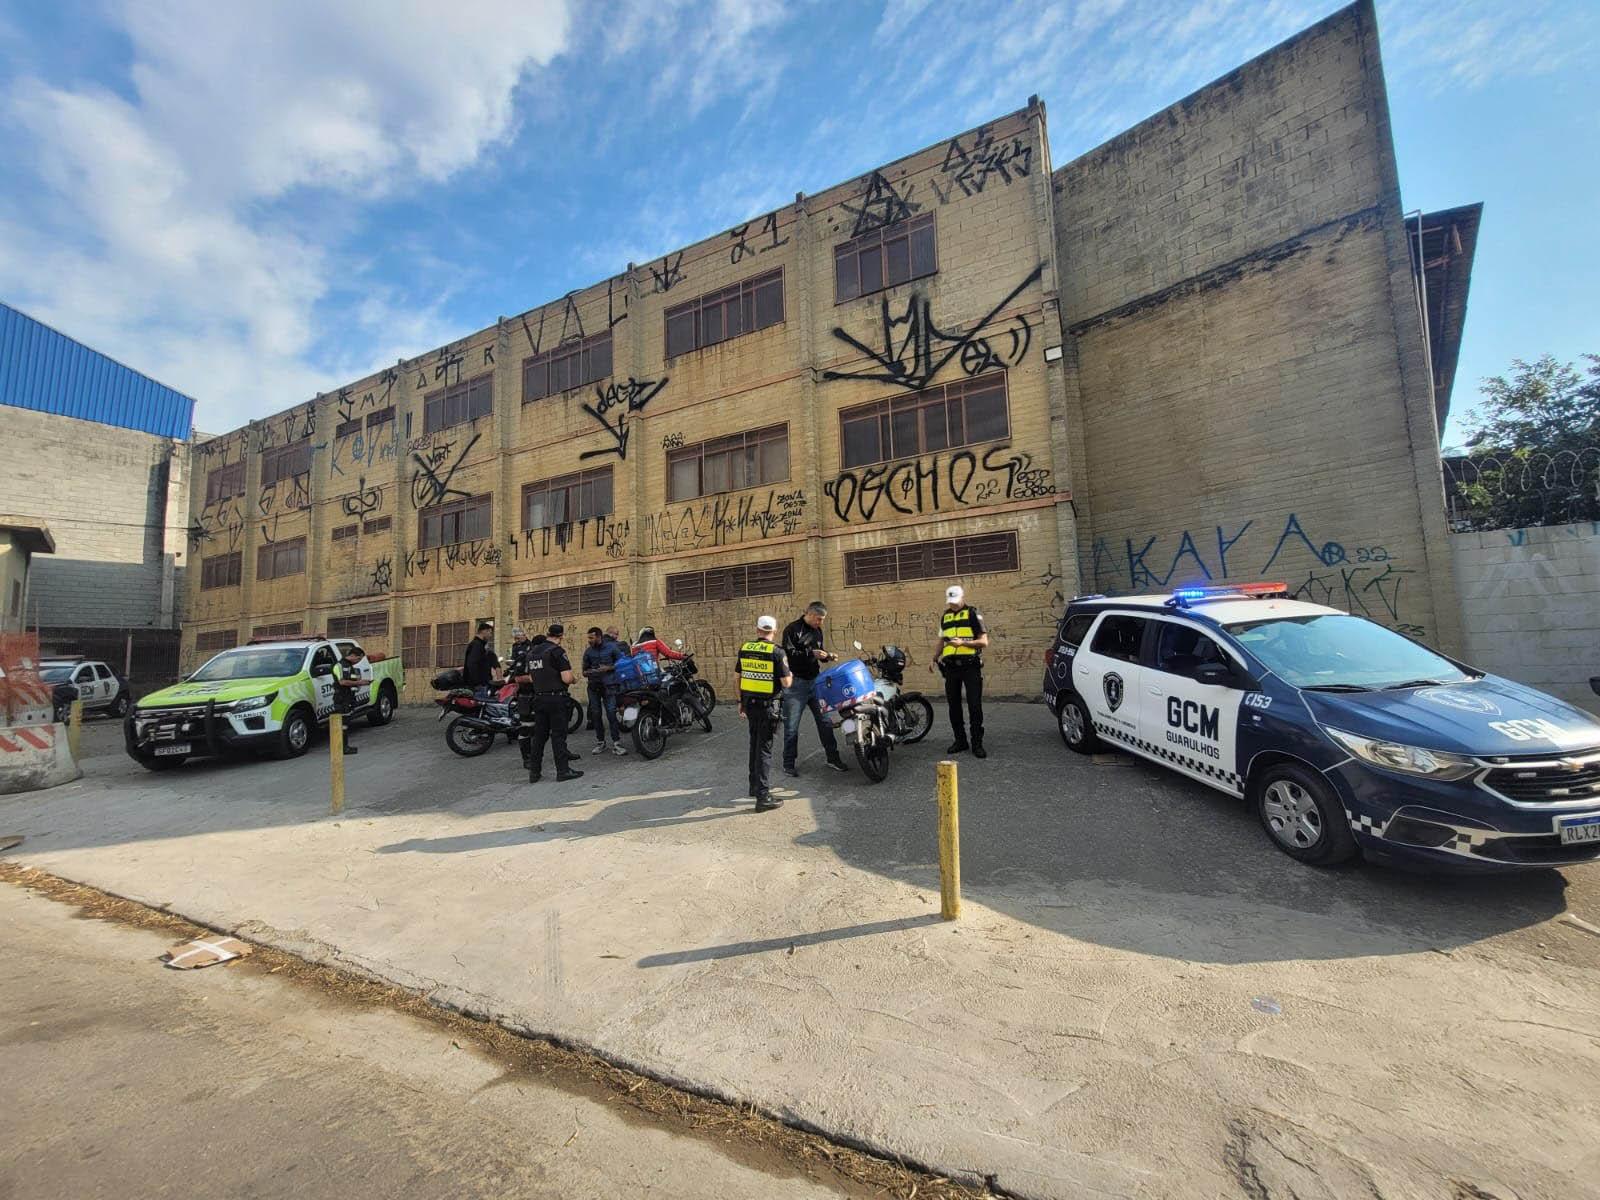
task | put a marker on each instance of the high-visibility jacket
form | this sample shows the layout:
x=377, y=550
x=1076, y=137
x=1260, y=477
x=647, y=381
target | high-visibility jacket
x=758, y=664
x=958, y=624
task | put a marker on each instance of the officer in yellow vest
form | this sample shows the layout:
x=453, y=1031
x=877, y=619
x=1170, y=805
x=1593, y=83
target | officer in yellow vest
x=962, y=637
x=763, y=674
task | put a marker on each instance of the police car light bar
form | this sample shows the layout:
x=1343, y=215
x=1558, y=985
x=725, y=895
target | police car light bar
x=1184, y=597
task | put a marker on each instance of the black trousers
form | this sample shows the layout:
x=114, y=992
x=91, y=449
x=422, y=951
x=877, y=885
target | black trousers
x=968, y=677
x=544, y=719
x=762, y=717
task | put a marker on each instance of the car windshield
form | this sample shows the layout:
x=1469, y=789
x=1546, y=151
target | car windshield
x=55, y=674
x=254, y=663
x=1342, y=653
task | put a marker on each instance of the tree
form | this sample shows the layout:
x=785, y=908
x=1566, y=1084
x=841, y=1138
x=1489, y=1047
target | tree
x=1533, y=451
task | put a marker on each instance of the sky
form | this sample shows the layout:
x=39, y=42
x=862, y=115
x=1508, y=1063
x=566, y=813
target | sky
x=257, y=203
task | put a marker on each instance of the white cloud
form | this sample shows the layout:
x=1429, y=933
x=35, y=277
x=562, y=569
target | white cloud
x=159, y=234
x=1473, y=43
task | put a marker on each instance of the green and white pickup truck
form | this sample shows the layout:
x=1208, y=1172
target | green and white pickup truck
x=267, y=696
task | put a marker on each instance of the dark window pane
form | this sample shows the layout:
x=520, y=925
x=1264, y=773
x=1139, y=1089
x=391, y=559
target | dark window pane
x=904, y=434
x=535, y=380
x=680, y=332
x=871, y=261
x=683, y=477
x=602, y=359
x=861, y=442
x=934, y=434
x=899, y=253
x=769, y=303
x=986, y=415
x=846, y=280
x=711, y=325
x=922, y=255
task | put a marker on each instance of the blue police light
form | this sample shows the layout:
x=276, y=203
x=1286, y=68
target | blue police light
x=1194, y=593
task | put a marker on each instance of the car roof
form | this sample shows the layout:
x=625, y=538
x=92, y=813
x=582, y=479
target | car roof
x=1228, y=610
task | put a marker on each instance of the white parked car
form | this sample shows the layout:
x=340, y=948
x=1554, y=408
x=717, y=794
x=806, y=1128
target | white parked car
x=99, y=687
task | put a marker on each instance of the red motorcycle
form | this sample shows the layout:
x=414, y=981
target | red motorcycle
x=478, y=716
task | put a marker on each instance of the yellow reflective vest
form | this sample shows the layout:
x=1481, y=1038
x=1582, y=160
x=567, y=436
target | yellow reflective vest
x=957, y=624
x=758, y=661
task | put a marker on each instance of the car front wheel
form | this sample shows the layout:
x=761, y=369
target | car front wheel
x=294, y=739
x=120, y=706
x=1302, y=815
x=1077, y=731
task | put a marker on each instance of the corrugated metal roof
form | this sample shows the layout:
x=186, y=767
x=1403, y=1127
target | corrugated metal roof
x=49, y=372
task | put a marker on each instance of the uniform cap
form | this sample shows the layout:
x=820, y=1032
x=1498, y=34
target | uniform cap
x=953, y=595
x=555, y=630
x=767, y=624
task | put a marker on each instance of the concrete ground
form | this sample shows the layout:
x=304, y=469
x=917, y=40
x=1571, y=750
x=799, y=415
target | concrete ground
x=1142, y=998
x=130, y=1079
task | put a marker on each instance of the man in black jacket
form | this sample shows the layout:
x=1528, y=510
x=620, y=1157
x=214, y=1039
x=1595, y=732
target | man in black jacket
x=802, y=646
x=480, y=666
x=543, y=673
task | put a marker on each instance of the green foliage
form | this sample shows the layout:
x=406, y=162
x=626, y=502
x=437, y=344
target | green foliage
x=1534, y=449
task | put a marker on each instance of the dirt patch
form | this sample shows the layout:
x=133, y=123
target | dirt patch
x=743, y=1132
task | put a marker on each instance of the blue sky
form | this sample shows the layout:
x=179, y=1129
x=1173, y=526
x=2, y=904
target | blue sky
x=254, y=203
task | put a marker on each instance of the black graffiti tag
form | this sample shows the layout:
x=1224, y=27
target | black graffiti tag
x=879, y=205
x=429, y=484
x=363, y=500
x=669, y=274
x=630, y=396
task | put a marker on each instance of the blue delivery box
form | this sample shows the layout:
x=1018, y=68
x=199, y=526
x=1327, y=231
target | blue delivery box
x=843, y=685
x=637, y=671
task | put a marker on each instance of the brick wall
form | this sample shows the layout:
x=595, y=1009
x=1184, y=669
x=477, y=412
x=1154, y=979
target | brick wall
x=1247, y=363
x=1530, y=605
x=104, y=492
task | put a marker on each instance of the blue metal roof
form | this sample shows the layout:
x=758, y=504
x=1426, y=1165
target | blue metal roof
x=50, y=372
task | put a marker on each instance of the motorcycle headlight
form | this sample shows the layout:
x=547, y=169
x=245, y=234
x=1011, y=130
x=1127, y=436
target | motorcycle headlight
x=1410, y=760
x=255, y=702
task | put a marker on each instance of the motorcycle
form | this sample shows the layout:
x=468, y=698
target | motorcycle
x=479, y=716
x=672, y=705
x=910, y=713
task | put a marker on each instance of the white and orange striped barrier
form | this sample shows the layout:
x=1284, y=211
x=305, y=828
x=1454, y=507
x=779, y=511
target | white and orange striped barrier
x=34, y=757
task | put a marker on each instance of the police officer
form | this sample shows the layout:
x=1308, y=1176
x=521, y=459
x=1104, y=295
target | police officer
x=543, y=672
x=352, y=681
x=962, y=637
x=763, y=674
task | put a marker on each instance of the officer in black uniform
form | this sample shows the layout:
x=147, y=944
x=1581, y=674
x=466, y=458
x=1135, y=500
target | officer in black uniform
x=763, y=674
x=543, y=673
x=962, y=639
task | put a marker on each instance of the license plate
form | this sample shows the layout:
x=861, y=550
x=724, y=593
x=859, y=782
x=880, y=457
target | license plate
x=631, y=713
x=1579, y=830
x=175, y=748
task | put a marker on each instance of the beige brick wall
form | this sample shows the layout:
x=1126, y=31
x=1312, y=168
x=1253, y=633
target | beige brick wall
x=1250, y=400
x=986, y=191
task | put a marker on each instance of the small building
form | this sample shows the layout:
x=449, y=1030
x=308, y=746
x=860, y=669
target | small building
x=20, y=539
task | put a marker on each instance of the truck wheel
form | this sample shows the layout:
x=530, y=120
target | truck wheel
x=119, y=706
x=294, y=739
x=1077, y=731
x=383, y=710
x=1302, y=816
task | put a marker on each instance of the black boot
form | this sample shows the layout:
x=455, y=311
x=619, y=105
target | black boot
x=957, y=746
x=564, y=775
x=978, y=751
x=349, y=749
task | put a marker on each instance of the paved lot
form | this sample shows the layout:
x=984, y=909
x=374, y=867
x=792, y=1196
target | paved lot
x=1143, y=998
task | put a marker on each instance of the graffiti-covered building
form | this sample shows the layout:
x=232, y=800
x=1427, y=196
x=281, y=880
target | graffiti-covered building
x=1153, y=365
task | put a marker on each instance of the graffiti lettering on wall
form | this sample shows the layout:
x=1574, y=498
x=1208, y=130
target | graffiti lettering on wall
x=295, y=425
x=435, y=470
x=742, y=238
x=363, y=501
x=671, y=441
x=879, y=204
x=1366, y=580
x=295, y=495
x=221, y=522
x=914, y=349
x=723, y=521
x=626, y=398
x=669, y=274
x=922, y=485
x=609, y=534
x=448, y=558
x=572, y=320
x=971, y=167
x=382, y=576
x=364, y=447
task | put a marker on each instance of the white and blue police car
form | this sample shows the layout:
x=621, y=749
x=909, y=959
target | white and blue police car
x=1345, y=736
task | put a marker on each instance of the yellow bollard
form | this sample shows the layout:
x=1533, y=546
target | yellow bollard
x=949, y=843
x=336, y=758
x=75, y=728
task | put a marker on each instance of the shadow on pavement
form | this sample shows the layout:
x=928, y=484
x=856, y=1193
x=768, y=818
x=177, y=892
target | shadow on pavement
x=738, y=949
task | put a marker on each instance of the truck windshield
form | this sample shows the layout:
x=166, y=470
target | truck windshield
x=255, y=663
x=1342, y=653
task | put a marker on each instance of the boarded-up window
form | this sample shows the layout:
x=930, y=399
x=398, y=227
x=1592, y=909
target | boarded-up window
x=208, y=643
x=467, y=520
x=458, y=404
x=341, y=532
x=978, y=554
x=579, y=362
x=740, y=308
x=450, y=643
x=376, y=525
x=558, y=604
x=221, y=570
x=567, y=498
x=416, y=645
x=965, y=413
x=360, y=625
x=348, y=428
x=283, y=629
x=224, y=482
x=277, y=560
x=380, y=417
x=727, y=464
x=885, y=257
x=774, y=577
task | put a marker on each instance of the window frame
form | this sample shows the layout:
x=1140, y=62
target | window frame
x=733, y=582
x=376, y=525
x=458, y=511
x=360, y=626
x=225, y=482
x=296, y=454
x=474, y=395
x=946, y=398
x=1067, y=623
x=458, y=650
x=574, y=482
x=879, y=240
x=1144, y=634
x=740, y=297
x=751, y=439
x=230, y=565
x=415, y=651
x=269, y=552
x=588, y=353
x=214, y=641
x=563, y=603
x=943, y=558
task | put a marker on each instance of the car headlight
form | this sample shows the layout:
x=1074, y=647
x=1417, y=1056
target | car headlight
x=254, y=703
x=1412, y=760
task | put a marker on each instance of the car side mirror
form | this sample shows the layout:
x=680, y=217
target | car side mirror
x=857, y=645
x=1216, y=674
x=678, y=642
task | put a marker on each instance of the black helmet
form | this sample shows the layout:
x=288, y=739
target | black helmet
x=894, y=653
x=647, y=634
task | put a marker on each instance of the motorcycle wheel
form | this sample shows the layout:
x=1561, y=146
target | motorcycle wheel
x=469, y=741
x=649, y=738
x=708, y=698
x=697, y=711
x=874, y=760
x=575, y=716
x=916, y=718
